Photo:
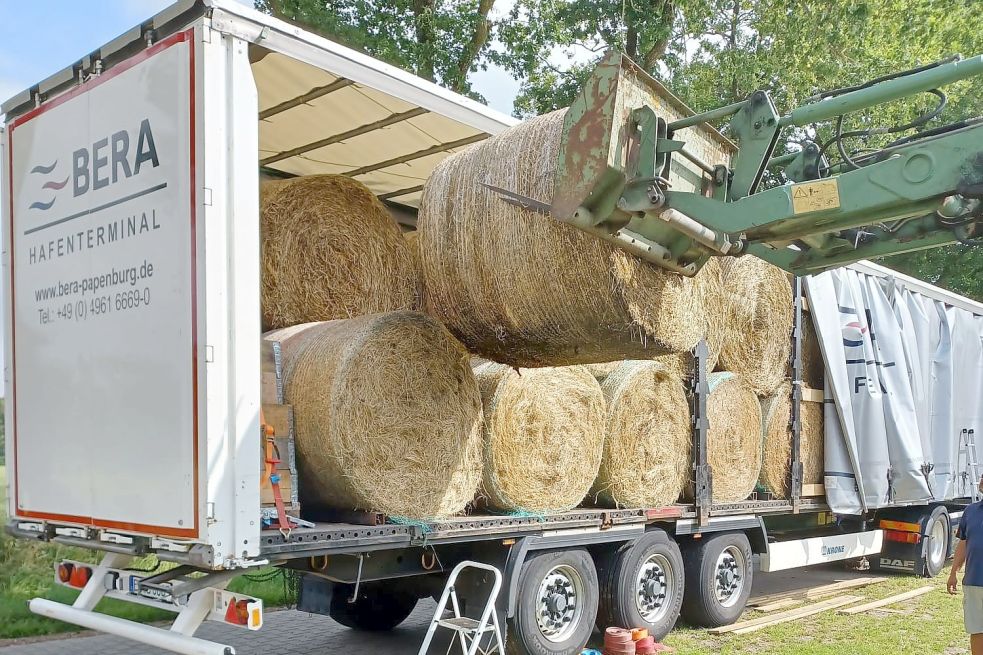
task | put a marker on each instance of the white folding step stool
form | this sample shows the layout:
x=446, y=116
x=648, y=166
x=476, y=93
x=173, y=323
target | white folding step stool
x=469, y=631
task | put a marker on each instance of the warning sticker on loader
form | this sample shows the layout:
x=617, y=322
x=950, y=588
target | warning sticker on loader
x=815, y=196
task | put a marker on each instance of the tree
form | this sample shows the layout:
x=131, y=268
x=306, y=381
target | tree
x=709, y=52
x=439, y=40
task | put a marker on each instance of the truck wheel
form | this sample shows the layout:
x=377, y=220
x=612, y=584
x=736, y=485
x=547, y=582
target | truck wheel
x=556, y=604
x=931, y=558
x=641, y=585
x=375, y=610
x=719, y=573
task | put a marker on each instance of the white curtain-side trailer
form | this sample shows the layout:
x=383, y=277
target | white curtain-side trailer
x=132, y=363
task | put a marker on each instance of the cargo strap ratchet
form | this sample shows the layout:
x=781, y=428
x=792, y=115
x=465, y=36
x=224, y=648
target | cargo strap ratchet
x=272, y=459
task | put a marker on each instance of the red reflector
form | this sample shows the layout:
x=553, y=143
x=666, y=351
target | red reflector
x=237, y=612
x=902, y=537
x=65, y=572
x=80, y=576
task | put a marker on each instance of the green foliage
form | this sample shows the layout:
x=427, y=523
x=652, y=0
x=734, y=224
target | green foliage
x=439, y=40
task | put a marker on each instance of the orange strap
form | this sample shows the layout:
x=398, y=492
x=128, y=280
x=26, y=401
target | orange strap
x=274, y=478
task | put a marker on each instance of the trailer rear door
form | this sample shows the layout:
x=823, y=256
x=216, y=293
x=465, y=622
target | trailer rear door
x=104, y=362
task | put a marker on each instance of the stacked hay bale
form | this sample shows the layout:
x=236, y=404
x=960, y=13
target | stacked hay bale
x=776, y=412
x=733, y=438
x=757, y=317
x=646, y=460
x=387, y=415
x=813, y=368
x=330, y=250
x=544, y=433
x=525, y=289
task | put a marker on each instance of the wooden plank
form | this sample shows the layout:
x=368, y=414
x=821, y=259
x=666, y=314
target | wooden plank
x=890, y=600
x=267, y=358
x=760, y=623
x=780, y=604
x=809, y=490
x=812, y=593
x=811, y=395
x=280, y=418
x=346, y=516
x=286, y=486
x=270, y=390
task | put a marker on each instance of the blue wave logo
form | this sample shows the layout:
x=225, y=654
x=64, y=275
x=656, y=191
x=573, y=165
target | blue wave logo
x=50, y=184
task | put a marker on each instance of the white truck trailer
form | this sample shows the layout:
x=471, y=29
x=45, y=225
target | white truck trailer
x=132, y=343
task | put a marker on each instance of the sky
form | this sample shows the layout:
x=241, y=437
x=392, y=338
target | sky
x=40, y=37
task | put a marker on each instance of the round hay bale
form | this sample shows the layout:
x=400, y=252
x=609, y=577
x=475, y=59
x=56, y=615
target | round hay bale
x=387, y=415
x=414, y=247
x=708, y=292
x=733, y=439
x=525, y=289
x=647, y=450
x=330, y=250
x=603, y=370
x=813, y=444
x=776, y=413
x=757, y=317
x=544, y=432
x=813, y=368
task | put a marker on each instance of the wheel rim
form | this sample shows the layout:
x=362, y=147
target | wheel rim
x=653, y=588
x=936, y=551
x=559, y=607
x=730, y=576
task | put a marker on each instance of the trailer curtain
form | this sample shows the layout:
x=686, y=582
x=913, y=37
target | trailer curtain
x=904, y=380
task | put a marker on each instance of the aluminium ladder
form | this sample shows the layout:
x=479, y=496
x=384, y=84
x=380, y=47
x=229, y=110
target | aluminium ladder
x=469, y=631
x=967, y=446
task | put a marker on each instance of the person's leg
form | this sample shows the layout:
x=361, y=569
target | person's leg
x=976, y=644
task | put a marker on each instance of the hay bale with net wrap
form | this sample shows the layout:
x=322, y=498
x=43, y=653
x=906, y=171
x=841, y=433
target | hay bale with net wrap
x=544, y=431
x=733, y=438
x=757, y=316
x=813, y=368
x=647, y=449
x=525, y=289
x=776, y=413
x=330, y=250
x=387, y=416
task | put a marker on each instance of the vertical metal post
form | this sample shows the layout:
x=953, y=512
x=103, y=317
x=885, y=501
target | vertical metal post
x=795, y=422
x=702, y=475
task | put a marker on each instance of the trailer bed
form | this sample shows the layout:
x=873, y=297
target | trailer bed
x=339, y=537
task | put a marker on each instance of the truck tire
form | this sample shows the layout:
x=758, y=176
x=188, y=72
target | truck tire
x=719, y=573
x=641, y=585
x=931, y=558
x=377, y=609
x=556, y=604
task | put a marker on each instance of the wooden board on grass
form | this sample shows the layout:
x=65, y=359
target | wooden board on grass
x=890, y=600
x=763, y=622
x=812, y=593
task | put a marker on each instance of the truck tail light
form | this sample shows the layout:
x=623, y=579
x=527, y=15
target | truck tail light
x=65, y=572
x=902, y=537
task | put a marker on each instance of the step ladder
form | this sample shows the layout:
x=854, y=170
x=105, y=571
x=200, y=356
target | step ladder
x=967, y=447
x=470, y=632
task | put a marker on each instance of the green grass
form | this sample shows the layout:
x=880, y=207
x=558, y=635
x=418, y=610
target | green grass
x=27, y=571
x=928, y=624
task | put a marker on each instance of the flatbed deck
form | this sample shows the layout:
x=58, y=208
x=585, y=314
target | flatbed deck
x=338, y=537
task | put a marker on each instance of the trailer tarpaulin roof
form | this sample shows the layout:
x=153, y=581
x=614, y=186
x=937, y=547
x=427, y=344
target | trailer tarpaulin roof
x=325, y=108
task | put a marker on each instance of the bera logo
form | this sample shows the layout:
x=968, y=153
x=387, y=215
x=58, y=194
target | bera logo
x=110, y=160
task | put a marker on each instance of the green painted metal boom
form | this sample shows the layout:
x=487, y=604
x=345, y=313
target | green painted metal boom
x=640, y=170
